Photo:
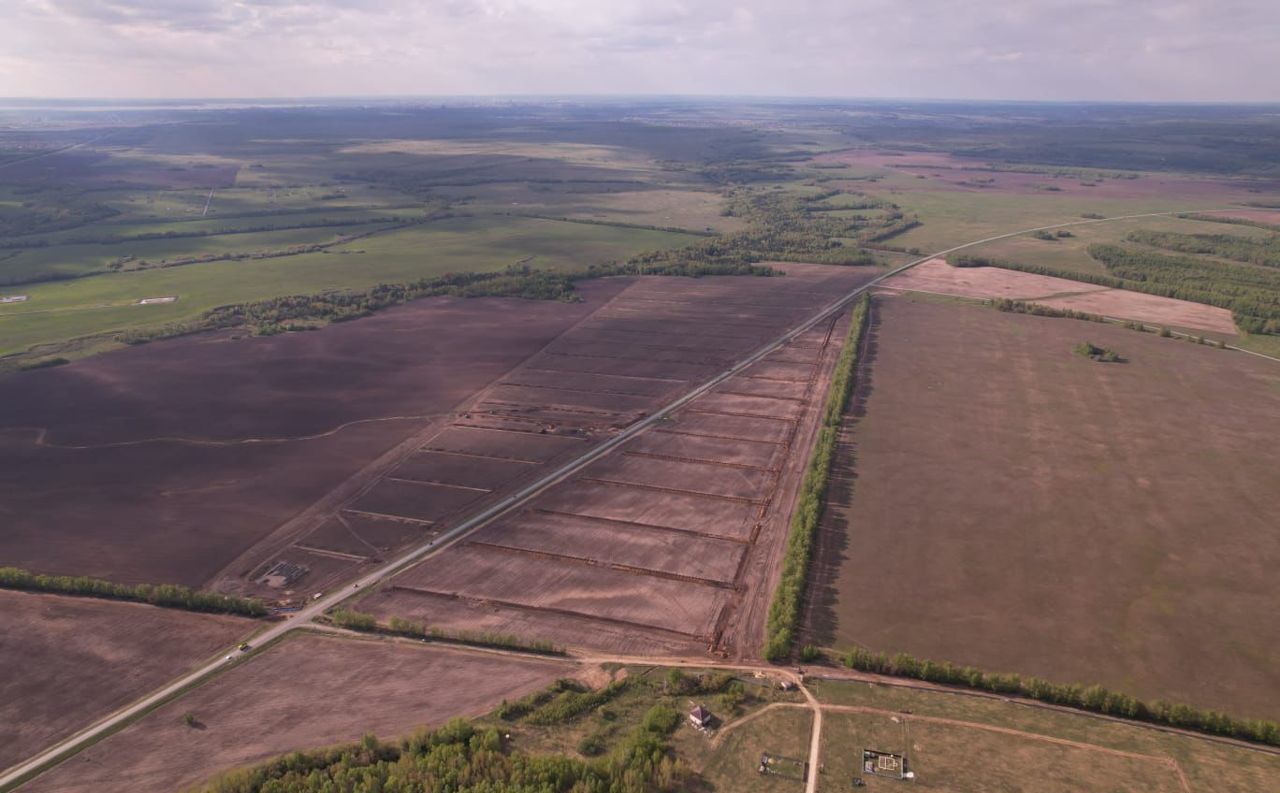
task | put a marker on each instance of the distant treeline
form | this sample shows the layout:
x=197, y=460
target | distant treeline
x=1093, y=698
x=788, y=598
x=300, y=312
x=785, y=226
x=367, y=623
x=113, y=239
x=615, y=224
x=1264, y=251
x=460, y=757
x=1230, y=221
x=164, y=595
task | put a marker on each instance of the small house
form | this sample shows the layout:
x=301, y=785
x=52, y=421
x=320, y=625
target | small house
x=700, y=717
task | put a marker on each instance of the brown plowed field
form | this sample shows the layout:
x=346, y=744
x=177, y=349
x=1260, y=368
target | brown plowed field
x=1009, y=504
x=718, y=425
x=701, y=448
x=639, y=547
x=68, y=661
x=939, y=277
x=701, y=478
x=687, y=512
x=486, y=573
x=258, y=710
x=223, y=441
x=673, y=539
x=451, y=469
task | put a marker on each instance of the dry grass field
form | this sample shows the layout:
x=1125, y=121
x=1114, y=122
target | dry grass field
x=258, y=709
x=1004, y=502
x=68, y=661
x=936, y=276
x=965, y=744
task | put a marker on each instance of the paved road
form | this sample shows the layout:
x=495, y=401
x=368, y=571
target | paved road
x=316, y=608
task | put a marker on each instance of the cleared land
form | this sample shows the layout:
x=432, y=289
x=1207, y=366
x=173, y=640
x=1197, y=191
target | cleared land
x=200, y=447
x=938, y=277
x=669, y=543
x=961, y=743
x=258, y=709
x=1009, y=504
x=68, y=661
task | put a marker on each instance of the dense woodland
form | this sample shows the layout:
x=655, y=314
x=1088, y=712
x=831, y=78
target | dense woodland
x=1264, y=251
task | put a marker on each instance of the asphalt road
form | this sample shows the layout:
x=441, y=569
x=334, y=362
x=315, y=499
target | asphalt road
x=78, y=741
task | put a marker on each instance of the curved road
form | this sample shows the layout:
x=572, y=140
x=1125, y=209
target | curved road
x=69, y=746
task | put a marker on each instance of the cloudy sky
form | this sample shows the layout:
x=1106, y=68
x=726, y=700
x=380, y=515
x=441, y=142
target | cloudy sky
x=1015, y=49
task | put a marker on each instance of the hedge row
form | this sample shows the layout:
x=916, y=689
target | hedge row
x=1093, y=698
x=784, y=612
x=367, y=623
x=164, y=595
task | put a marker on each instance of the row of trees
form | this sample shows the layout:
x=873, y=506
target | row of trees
x=1263, y=251
x=785, y=610
x=112, y=239
x=165, y=595
x=1093, y=698
x=462, y=757
x=268, y=316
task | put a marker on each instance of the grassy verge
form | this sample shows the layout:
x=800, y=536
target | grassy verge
x=1095, y=698
x=163, y=595
x=784, y=612
x=367, y=623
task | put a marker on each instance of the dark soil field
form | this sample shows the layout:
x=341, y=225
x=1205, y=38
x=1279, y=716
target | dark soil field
x=665, y=544
x=68, y=661
x=1007, y=503
x=258, y=710
x=197, y=448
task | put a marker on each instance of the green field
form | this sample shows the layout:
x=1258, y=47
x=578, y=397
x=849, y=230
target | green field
x=63, y=310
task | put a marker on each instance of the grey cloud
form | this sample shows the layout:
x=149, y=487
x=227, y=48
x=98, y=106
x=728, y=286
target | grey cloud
x=1034, y=49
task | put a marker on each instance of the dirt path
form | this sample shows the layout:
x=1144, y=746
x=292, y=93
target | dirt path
x=1169, y=762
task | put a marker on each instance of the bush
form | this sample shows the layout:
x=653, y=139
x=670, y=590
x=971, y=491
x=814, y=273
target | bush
x=1096, y=353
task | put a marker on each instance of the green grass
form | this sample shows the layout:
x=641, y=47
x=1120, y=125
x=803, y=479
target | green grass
x=941, y=760
x=950, y=218
x=65, y=310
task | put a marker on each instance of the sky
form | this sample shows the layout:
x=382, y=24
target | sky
x=1117, y=50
